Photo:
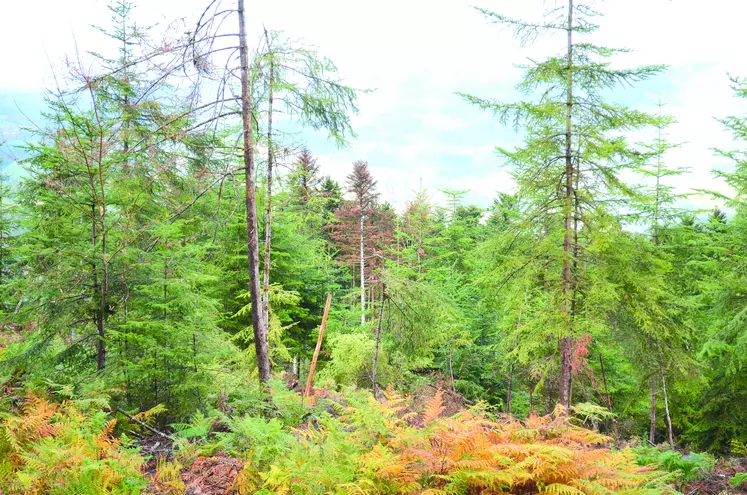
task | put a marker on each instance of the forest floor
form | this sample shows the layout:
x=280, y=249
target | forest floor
x=717, y=481
x=218, y=474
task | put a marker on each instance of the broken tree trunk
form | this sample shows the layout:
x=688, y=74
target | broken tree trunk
x=318, y=346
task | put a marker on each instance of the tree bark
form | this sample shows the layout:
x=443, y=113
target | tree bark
x=104, y=287
x=666, y=398
x=566, y=344
x=318, y=347
x=268, y=209
x=258, y=322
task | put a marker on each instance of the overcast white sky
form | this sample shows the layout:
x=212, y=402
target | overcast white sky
x=416, y=54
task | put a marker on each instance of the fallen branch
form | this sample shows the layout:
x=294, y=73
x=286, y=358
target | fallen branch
x=144, y=425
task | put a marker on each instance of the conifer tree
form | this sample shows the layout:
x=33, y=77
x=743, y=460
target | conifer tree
x=307, y=87
x=569, y=163
x=8, y=221
x=305, y=178
x=658, y=211
x=359, y=231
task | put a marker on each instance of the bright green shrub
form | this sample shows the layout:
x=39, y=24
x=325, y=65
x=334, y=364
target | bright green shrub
x=352, y=355
x=738, y=479
x=692, y=467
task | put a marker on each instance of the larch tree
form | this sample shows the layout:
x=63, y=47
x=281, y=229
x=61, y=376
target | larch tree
x=658, y=212
x=569, y=164
x=306, y=88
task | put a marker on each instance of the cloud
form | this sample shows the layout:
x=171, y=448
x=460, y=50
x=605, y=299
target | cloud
x=417, y=53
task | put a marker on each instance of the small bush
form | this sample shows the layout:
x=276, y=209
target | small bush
x=684, y=468
x=738, y=480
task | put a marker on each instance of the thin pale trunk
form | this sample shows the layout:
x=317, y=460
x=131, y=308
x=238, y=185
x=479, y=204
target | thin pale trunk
x=268, y=209
x=101, y=350
x=652, y=402
x=666, y=398
x=258, y=322
x=363, y=271
x=376, y=348
x=97, y=320
x=566, y=344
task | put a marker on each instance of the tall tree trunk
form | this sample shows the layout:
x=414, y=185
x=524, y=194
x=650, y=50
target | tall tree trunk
x=268, y=209
x=652, y=402
x=97, y=320
x=363, y=270
x=258, y=322
x=101, y=349
x=376, y=348
x=566, y=344
x=666, y=398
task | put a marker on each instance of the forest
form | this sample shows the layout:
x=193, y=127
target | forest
x=192, y=304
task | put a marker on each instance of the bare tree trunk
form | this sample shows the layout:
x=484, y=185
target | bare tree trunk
x=101, y=348
x=666, y=398
x=318, y=347
x=258, y=322
x=363, y=270
x=268, y=209
x=376, y=348
x=566, y=344
x=652, y=407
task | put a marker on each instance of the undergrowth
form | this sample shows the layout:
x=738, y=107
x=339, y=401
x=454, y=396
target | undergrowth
x=65, y=449
x=682, y=468
x=367, y=447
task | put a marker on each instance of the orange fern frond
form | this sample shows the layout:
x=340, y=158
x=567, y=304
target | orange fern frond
x=434, y=408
